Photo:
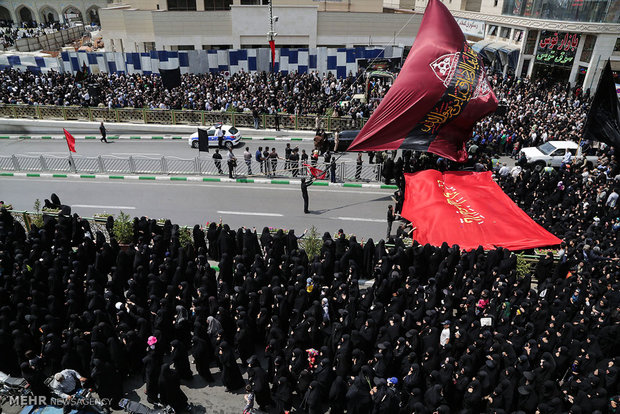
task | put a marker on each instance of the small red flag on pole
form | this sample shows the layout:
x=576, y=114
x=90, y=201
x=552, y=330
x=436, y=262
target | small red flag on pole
x=315, y=172
x=70, y=140
x=272, y=45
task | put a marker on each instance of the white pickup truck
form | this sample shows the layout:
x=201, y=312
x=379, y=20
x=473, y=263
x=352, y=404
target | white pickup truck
x=552, y=153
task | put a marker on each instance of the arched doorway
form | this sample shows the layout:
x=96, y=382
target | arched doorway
x=72, y=14
x=25, y=15
x=92, y=15
x=49, y=15
x=5, y=15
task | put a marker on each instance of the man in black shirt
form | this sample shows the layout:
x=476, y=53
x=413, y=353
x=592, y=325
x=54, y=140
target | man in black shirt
x=217, y=159
x=304, y=192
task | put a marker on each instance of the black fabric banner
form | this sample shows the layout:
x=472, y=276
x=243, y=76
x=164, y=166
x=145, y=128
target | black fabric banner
x=603, y=123
x=171, y=78
x=203, y=140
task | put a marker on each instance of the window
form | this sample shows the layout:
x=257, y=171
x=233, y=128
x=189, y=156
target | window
x=492, y=30
x=218, y=4
x=617, y=46
x=182, y=5
x=185, y=47
x=588, y=47
x=148, y=46
x=505, y=32
x=530, y=43
x=518, y=36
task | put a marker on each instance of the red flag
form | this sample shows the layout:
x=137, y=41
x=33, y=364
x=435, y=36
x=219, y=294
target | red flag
x=272, y=45
x=438, y=96
x=315, y=172
x=70, y=140
x=468, y=209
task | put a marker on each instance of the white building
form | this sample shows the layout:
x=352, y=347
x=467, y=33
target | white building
x=514, y=36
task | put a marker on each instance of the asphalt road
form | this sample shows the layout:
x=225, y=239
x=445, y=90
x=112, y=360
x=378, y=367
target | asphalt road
x=144, y=147
x=357, y=211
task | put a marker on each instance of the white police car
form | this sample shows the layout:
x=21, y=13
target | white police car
x=231, y=137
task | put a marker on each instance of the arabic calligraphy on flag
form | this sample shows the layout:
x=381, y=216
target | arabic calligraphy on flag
x=557, y=48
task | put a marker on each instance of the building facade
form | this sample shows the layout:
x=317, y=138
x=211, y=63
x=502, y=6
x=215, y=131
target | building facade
x=48, y=11
x=520, y=37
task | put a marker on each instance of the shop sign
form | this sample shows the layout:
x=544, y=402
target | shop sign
x=557, y=48
x=471, y=27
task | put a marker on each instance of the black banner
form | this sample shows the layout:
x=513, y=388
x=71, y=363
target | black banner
x=557, y=48
x=171, y=78
x=387, y=64
x=203, y=140
x=603, y=123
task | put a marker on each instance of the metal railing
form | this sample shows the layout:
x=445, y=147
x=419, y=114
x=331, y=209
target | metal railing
x=169, y=165
x=176, y=117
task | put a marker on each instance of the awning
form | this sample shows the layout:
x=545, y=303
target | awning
x=478, y=46
x=506, y=53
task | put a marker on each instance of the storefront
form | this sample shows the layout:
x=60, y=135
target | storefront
x=555, y=55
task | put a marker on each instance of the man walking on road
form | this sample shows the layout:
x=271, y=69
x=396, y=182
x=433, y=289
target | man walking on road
x=305, y=183
x=103, y=133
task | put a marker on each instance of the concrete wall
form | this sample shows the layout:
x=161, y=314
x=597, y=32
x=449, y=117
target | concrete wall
x=367, y=29
x=51, y=41
x=247, y=26
x=340, y=62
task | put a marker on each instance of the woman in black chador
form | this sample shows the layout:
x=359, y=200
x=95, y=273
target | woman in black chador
x=231, y=375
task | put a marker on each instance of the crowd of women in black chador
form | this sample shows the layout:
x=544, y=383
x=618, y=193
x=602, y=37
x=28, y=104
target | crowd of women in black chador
x=440, y=329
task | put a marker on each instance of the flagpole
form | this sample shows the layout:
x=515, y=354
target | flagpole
x=71, y=161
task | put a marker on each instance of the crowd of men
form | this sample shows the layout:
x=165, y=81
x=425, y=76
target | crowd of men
x=9, y=33
x=294, y=93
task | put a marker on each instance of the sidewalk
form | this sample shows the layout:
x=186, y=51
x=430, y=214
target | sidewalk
x=282, y=181
x=151, y=137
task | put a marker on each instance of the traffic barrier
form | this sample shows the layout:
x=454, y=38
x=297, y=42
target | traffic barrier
x=168, y=165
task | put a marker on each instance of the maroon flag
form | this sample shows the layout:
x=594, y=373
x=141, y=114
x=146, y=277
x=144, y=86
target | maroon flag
x=438, y=96
x=272, y=46
x=70, y=140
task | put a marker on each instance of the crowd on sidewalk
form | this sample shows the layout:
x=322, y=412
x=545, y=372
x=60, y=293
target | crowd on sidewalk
x=9, y=33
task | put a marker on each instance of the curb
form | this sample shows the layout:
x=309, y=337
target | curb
x=195, y=179
x=134, y=137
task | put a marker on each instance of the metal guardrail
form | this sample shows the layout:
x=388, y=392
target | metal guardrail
x=168, y=165
x=175, y=117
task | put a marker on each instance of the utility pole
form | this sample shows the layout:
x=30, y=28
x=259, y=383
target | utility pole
x=271, y=36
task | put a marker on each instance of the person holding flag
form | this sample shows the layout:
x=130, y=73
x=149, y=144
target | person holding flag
x=305, y=183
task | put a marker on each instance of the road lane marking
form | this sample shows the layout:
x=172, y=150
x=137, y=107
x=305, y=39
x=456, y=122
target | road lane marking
x=259, y=186
x=250, y=213
x=358, y=219
x=110, y=207
x=133, y=153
